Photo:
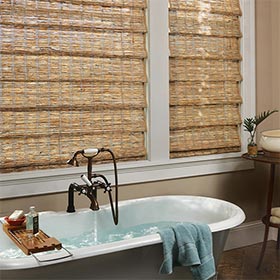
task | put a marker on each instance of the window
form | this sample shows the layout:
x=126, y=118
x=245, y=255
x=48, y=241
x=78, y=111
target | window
x=204, y=77
x=72, y=76
x=158, y=165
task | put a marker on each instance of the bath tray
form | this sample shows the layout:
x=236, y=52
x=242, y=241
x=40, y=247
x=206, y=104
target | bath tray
x=39, y=243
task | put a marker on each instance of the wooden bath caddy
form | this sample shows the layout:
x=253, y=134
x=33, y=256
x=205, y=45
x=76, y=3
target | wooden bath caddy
x=39, y=243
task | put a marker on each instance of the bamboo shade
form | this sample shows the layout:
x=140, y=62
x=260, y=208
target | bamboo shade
x=205, y=77
x=231, y=7
x=72, y=77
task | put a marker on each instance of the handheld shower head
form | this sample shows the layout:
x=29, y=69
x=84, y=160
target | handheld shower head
x=87, y=153
x=90, y=152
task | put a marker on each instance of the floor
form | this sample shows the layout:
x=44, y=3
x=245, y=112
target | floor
x=240, y=264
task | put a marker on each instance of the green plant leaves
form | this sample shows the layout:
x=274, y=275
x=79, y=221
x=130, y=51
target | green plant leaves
x=262, y=116
x=250, y=124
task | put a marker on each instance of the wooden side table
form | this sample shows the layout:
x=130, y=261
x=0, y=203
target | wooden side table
x=273, y=161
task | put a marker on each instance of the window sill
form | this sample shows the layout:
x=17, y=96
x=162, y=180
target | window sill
x=53, y=181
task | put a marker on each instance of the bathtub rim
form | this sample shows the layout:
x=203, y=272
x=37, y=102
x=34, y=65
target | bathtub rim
x=106, y=248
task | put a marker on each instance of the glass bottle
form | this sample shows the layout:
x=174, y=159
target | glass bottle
x=32, y=222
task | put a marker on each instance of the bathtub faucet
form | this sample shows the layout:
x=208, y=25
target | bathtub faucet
x=90, y=187
x=82, y=189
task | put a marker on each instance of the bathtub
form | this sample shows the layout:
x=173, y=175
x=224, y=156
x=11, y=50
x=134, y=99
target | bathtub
x=130, y=250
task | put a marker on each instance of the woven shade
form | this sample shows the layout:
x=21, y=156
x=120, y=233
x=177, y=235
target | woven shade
x=69, y=68
x=201, y=93
x=58, y=146
x=204, y=70
x=203, y=23
x=72, y=42
x=204, y=77
x=211, y=115
x=48, y=119
x=196, y=46
x=204, y=140
x=106, y=94
x=57, y=14
x=72, y=77
x=225, y=7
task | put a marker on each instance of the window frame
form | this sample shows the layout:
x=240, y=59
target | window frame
x=158, y=166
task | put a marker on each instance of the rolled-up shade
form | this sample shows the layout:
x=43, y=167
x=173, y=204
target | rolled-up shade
x=204, y=77
x=72, y=77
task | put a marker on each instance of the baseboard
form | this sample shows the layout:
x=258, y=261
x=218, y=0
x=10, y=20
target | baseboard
x=248, y=234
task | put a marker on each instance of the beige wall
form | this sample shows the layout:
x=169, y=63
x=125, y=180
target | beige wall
x=268, y=59
x=247, y=188
x=243, y=188
x=268, y=67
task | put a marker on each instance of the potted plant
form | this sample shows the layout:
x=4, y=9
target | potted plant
x=250, y=125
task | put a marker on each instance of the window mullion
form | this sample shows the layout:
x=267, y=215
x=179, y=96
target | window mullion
x=158, y=130
x=248, y=64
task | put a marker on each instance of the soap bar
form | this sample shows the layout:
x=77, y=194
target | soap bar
x=17, y=214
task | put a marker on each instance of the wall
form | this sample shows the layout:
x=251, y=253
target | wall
x=268, y=59
x=268, y=68
x=247, y=188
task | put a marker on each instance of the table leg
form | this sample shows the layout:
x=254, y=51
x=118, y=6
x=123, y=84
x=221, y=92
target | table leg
x=278, y=238
x=268, y=212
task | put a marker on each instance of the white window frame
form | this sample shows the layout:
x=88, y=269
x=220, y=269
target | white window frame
x=158, y=166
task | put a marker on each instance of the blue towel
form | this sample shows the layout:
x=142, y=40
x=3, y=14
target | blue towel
x=190, y=245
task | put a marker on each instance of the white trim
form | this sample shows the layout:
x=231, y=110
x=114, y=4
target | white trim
x=158, y=166
x=248, y=85
x=248, y=234
x=158, y=140
x=53, y=181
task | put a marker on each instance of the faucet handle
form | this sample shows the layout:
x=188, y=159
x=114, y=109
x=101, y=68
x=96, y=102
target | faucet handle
x=107, y=188
x=82, y=191
x=86, y=180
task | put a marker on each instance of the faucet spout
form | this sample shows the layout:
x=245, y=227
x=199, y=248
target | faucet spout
x=73, y=187
x=94, y=203
x=82, y=189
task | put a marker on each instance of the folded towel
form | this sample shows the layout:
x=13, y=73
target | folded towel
x=274, y=219
x=275, y=211
x=188, y=244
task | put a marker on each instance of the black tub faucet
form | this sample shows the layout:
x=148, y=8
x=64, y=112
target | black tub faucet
x=90, y=187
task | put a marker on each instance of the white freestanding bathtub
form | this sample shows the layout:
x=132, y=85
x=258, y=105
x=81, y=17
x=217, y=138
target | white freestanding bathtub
x=130, y=250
